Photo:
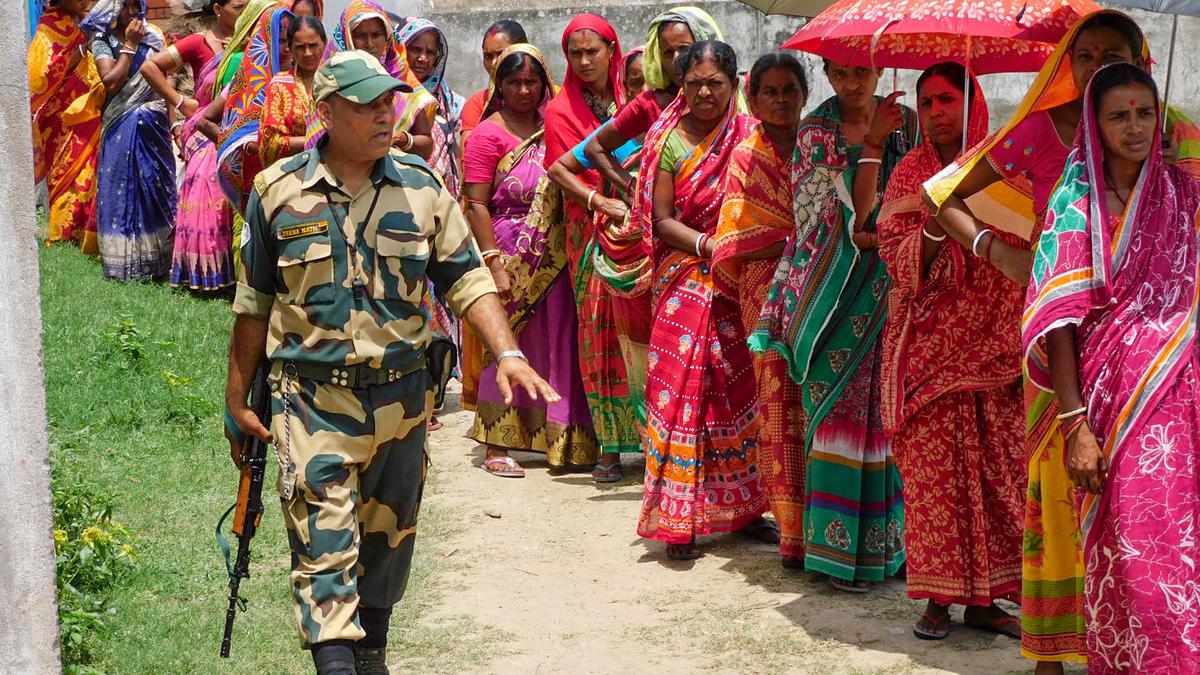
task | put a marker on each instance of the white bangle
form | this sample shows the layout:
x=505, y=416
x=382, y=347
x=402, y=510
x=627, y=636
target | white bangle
x=591, y=196
x=870, y=160
x=131, y=52
x=407, y=145
x=1066, y=415
x=176, y=125
x=699, y=242
x=931, y=237
x=978, y=238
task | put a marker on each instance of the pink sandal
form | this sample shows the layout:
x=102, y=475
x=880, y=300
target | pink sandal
x=504, y=467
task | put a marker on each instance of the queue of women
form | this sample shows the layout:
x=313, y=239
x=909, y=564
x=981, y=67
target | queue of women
x=801, y=315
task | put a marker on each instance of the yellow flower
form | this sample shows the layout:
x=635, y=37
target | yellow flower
x=60, y=537
x=95, y=534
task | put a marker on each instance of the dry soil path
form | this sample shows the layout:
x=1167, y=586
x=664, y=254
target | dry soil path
x=548, y=573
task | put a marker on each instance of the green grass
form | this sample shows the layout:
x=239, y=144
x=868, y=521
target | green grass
x=134, y=381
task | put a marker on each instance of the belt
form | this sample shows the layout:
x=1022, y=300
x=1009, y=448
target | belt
x=358, y=376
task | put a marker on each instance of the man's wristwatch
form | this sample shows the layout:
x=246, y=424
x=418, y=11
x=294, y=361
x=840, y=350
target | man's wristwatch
x=512, y=354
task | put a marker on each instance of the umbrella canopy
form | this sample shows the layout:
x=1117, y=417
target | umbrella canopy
x=993, y=36
x=789, y=7
x=1185, y=7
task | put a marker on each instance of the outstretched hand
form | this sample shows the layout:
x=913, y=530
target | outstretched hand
x=513, y=373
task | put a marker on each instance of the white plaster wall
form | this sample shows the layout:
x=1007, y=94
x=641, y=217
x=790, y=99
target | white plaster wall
x=746, y=29
x=29, y=626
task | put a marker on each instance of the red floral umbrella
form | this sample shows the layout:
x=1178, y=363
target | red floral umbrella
x=992, y=36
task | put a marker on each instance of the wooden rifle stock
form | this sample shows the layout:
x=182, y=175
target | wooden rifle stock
x=247, y=512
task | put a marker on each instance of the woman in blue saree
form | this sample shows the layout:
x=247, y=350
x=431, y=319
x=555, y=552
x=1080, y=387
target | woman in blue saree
x=135, y=197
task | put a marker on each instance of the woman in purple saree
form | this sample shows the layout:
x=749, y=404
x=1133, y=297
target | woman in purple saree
x=526, y=252
x=1114, y=295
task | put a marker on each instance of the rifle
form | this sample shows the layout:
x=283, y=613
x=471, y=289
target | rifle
x=248, y=510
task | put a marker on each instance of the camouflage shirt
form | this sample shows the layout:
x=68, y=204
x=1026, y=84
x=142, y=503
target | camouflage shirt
x=341, y=277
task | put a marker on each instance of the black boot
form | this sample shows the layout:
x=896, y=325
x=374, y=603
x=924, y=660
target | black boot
x=335, y=657
x=370, y=661
x=370, y=653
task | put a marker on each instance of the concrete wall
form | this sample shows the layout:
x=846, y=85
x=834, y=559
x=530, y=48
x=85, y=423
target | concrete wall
x=746, y=29
x=29, y=624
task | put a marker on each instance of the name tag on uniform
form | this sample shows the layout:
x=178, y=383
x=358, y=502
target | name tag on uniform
x=303, y=230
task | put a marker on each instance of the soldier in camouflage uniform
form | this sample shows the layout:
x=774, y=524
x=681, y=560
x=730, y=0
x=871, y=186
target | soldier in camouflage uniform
x=338, y=246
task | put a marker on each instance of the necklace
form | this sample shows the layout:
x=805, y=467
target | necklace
x=1112, y=187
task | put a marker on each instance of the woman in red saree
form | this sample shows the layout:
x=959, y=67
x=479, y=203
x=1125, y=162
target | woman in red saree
x=756, y=220
x=701, y=412
x=951, y=385
x=66, y=97
x=590, y=96
x=1113, y=300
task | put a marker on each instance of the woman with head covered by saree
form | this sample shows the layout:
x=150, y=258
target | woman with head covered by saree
x=1013, y=173
x=669, y=34
x=135, y=197
x=618, y=266
x=365, y=25
x=428, y=52
x=590, y=96
x=951, y=383
x=266, y=55
x=203, y=254
x=701, y=408
x=1113, y=296
x=289, y=114
x=525, y=251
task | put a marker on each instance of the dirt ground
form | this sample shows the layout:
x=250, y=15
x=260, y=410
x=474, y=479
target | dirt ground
x=548, y=574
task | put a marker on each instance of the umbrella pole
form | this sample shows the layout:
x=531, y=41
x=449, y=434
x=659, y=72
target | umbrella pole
x=966, y=119
x=1170, y=61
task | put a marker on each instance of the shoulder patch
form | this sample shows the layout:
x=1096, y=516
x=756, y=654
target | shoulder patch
x=260, y=184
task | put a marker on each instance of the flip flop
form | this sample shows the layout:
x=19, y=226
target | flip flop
x=434, y=424
x=940, y=626
x=608, y=474
x=1004, y=625
x=504, y=467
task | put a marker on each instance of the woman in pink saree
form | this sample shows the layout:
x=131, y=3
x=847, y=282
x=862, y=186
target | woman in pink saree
x=1113, y=295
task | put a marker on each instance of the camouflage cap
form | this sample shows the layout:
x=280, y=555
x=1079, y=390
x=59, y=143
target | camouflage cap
x=354, y=75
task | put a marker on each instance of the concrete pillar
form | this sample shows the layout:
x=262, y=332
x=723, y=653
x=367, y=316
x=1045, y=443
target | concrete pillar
x=29, y=624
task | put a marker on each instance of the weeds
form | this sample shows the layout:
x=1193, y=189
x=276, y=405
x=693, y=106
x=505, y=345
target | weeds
x=125, y=341
x=92, y=557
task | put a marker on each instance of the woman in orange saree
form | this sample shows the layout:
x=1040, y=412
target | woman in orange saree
x=756, y=220
x=66, y=97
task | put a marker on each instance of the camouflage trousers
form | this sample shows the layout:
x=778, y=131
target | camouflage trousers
x=357, y=461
